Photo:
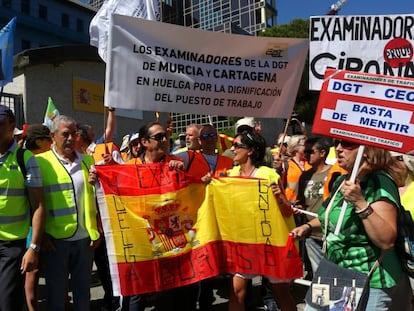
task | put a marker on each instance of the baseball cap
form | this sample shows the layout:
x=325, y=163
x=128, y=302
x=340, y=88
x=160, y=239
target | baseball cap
x=35, y=131
x=246, y=123
x=5, y=112
x=133, y=136
x=17, y=131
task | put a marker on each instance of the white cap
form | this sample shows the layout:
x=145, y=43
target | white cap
x=133, y=136
x=248, y=121
x=17, y=131
x=408, y=159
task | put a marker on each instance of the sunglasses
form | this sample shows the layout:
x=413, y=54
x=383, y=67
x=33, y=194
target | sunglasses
x=237, y=145
x=135, y=143
x=208, y=135
x=399, y=158
x=345, y=144
x=310, y=151
x=158, y=137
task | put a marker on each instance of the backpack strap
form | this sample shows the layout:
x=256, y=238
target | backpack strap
x=20, y=161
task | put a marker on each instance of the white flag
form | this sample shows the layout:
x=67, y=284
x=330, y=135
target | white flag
x=99, y=27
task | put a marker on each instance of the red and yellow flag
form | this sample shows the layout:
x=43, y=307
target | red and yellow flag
x=163, y=232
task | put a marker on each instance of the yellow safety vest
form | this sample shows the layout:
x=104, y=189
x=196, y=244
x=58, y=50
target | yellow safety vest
x=407, y=199
x=61, y=209
x=14, y=204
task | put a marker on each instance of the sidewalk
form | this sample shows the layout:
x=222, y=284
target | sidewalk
x=220, y=293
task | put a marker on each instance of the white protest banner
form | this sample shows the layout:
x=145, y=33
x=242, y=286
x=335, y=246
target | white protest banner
x=99, y=26
x=162, y=67
x=369, y=109
x=379, y=44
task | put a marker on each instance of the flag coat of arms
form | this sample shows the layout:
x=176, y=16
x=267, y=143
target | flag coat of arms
x=164, y=230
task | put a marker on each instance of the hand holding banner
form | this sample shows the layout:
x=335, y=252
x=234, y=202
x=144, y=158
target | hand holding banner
x=161, y=233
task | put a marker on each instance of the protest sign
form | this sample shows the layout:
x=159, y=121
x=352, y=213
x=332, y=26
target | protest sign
x=368, y=109
x=163, y=67
x=379, y=44
x=161, y=233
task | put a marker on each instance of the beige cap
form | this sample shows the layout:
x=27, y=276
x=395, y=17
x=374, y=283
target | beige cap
x=295, y=141
x=408, y=159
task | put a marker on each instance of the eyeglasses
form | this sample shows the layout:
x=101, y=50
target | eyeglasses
x=345, y=144
x=237, y=145
x=208, y=135
x=158, y=136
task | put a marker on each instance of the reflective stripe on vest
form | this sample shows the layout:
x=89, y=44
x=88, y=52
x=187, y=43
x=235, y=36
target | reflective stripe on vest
x=61, y=212
x=61, y=209
x=11, y=219
x=12, y=192
x=14, y=204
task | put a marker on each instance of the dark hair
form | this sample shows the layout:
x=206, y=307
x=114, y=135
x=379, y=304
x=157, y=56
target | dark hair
x=144, y=134
x=320, y=143
x=257, y=143
x=83, y=130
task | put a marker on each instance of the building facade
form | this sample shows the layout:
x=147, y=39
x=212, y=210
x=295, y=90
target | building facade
x=230, y=16
x=42, y=23
x=65, y=23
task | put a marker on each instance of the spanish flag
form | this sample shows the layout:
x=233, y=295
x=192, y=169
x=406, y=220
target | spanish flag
x=164, y=230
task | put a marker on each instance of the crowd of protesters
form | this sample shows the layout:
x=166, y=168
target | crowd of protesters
x=53, y=187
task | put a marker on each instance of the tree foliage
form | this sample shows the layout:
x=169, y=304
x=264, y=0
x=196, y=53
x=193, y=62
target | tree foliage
x=306, y=100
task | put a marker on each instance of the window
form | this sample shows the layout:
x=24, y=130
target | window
x=25, y=6
x=79, y=25
x=65, y=20
x=42, y=12
x=7, y=4
x=25, y=44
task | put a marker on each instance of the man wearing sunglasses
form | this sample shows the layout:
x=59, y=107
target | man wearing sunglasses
x=309, y=191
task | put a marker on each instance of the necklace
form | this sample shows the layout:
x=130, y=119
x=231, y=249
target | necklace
x=248, y=175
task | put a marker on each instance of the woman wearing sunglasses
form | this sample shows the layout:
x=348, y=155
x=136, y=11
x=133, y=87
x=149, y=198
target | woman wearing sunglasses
x=249, y=151
x=369, y=227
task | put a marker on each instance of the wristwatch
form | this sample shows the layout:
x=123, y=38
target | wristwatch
x=35, y=247
x=363, y=214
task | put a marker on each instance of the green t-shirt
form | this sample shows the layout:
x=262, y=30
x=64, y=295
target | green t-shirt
x=352, y=248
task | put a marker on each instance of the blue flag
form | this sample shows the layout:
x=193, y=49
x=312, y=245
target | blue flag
x=6, y=52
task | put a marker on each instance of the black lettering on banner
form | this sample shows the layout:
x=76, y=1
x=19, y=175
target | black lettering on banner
x=361, y=28
x=265, y=223
x=159, y=176
x=202, y=259
x=241, y=260
x=127, y=247
x=185, y=267
x=166, y=269
x=131, y=273
x=224, y=255
x=356, y=64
